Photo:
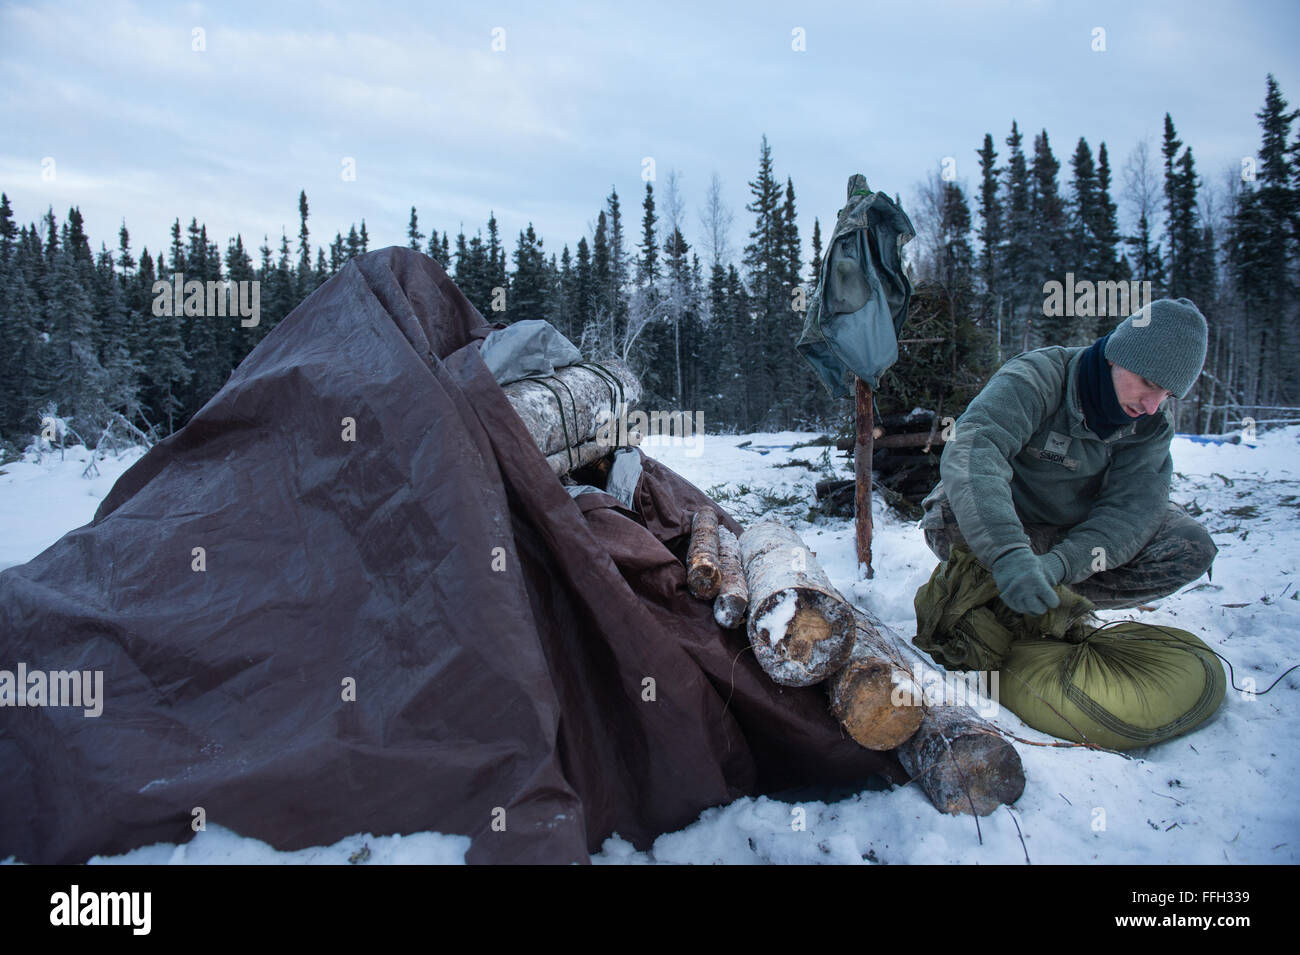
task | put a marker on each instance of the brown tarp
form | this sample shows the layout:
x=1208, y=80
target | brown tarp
x=478, y=689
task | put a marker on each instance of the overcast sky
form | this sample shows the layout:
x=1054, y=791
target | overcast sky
x=142, y=126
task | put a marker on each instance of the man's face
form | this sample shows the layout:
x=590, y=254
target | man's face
x=1136, y=395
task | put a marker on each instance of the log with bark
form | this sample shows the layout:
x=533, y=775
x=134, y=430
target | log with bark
x=960, y=760
x=874, y=696
x=566, y=460
x=733, y=596
x=703, y=566
x=576, y=407
x=956, y=756
x=800, y=628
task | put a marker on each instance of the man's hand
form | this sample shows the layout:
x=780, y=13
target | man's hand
x=1027, y=581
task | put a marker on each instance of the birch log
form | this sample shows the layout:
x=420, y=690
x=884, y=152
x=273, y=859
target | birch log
x=733, y=597
x=874, y=696
x=703, y=566
x=569, y=408
x=562, y=461
x=800, y=628
x=955, y=751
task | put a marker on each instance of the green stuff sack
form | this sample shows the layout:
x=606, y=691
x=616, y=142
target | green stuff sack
x=963, y=624
x=1123, y=686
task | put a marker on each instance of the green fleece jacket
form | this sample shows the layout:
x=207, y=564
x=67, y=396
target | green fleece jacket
x=1021, y=453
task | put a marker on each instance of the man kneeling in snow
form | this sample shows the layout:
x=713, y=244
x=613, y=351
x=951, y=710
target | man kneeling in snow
x=1058, y=471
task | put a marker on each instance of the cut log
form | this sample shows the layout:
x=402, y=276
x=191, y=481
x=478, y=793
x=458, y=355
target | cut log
x=955, y=752
x=917, y=439
x=800, y=628
x=846, y=444
x=874, y=696
x=562, y=462
x=703, y=566
x=571, y=407
x=733, y=596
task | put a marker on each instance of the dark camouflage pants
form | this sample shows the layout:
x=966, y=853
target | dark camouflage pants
x=1178, y=552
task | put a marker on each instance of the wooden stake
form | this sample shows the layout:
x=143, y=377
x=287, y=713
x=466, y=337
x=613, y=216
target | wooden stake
x=862, y=451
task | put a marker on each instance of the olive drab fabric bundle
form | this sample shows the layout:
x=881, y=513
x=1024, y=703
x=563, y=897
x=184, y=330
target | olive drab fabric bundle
x=963, y=625
x=1122, y=685
x=861, y=300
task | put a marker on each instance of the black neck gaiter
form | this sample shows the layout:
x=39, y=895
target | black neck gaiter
x=1102, y=411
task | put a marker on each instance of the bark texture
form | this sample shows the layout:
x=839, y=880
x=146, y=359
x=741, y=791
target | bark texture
x=874, y=696
x=800, y=628
x=733, y=597
x=703, y=565
x=569, y=408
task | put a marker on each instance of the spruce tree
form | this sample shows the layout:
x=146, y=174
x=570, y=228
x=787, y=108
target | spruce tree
x=602, y=290
x=239, y=268
x=618, y=266
x=20, y=338
x=561, y=301
x=647, y=270
x=815, y=263
x=1084, y=249
x=165, y=369
x=529, y=284
x=990, y=212
x=306, y=280
x=8, y=232
x=584, y=295
x=413, y=233
x=1262, y=255
x=495, y=267
x=1049, y=231
x=1022, y=290
x=764, y=262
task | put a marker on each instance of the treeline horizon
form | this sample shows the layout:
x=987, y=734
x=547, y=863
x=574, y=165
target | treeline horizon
x=705, y=328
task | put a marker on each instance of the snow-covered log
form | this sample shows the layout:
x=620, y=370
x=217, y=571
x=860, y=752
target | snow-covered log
x=874, y=695
x=800, y=628
x=733, y=596
x=703, y=566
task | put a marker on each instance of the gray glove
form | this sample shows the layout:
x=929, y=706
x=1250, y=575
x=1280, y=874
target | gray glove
x=1027, y=581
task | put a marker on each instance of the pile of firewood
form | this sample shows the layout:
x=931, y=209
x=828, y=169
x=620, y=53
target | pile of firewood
x=804, y=632
x=904, y=464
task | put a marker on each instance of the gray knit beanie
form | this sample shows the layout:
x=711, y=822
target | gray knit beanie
x=1164, y=342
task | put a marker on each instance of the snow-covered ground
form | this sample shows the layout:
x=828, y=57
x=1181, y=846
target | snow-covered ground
x=1224, y=793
